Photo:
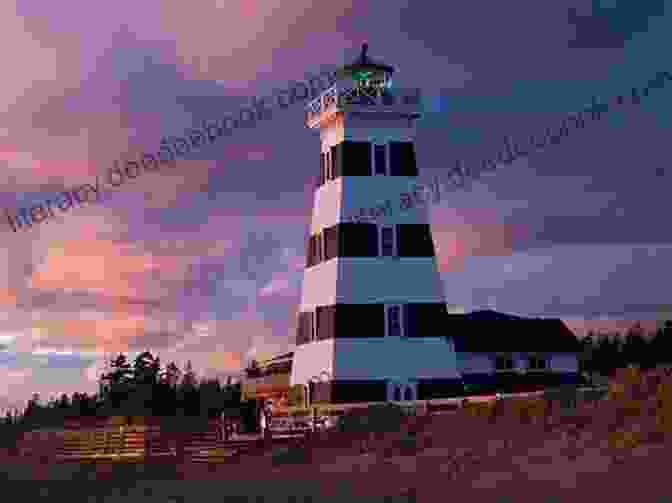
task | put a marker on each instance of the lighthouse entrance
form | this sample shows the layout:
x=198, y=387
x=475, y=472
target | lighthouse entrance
x=401, y=390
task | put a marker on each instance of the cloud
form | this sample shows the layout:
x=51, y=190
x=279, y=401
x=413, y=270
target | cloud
x=457, y=238
x=254, y=30
x=610, y=24
x=573, y=280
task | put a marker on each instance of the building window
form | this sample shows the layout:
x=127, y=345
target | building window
x=387, y=242
x=394, y=328
x=537, y=362
x=397, y=393
x=380, y=160
x=503, y=362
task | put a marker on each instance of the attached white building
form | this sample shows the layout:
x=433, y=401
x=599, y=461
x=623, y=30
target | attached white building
x=496, y=349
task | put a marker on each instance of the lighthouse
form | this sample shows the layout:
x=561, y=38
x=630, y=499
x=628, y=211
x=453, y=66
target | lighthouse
x=373, y=322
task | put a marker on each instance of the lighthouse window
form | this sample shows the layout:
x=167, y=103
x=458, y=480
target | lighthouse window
x=402, y=159
x=394, y=321
x=380, y=160
x=313, y=317
x=387, y=241
x=358, y=239
x=331, y=242
x=355, y=158
x=310, y=252
x=415, y=240
x=335, y=160
x=328, y=168
x=323, y=165
x=304, y=328
x=320, y=248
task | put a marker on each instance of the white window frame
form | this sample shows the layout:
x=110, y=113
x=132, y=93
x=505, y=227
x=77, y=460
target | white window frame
x=387, y=320
x=394, y=240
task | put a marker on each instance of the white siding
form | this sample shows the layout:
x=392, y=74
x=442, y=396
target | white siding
x=394, y=358
x=327, y=207
x=363, y=280
x=312, y=359
x=319, y=285
x=389, y=280
x=564, y=362
x=370, y=192
x=475, y=363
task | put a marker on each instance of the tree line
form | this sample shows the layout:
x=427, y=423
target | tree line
x=603, y=353
x=145, y=388
x=141, y=388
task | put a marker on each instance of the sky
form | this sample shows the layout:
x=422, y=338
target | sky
x=205, y=262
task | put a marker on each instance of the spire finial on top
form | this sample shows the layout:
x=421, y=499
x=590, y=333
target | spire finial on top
x=365, y=47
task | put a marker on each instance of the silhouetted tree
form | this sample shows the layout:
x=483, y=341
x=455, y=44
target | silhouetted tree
x=146, y=371
x=119, y=382
x=171, y=374
x=635, y=348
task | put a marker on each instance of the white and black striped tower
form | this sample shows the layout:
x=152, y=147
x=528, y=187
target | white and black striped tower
x=372, y=323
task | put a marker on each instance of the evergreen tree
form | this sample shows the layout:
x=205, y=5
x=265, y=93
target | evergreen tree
x=118, y=385
x=188, y=392
x=189, y=378
x=586, y=363
x=145, y=377
x=661, y=345
x=635, y=347
x=171, y=375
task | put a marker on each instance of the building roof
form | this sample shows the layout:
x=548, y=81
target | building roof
x=277, y=359
x=487, y=314
x=489, y=331
x=363, y=64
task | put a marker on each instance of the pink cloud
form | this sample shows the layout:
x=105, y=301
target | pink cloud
x=7, y=297
x=581, y=327
x=106, y=333
x=104, y=267
x=249, y=28
x=454, y=243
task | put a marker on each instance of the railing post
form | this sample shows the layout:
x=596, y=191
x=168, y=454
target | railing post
x=122, y=440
